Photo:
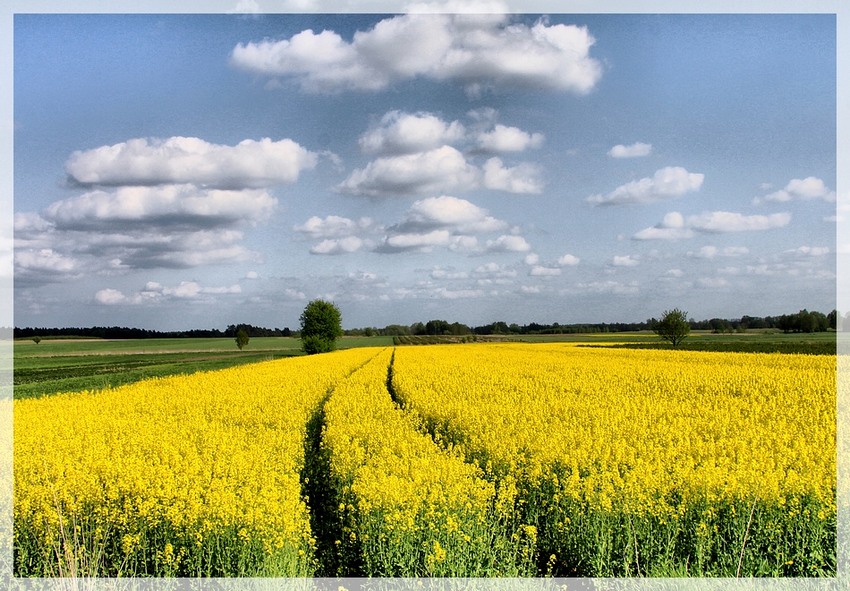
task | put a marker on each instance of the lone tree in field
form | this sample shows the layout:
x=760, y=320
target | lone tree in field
x=673, y=326
x=242, y=338
x=321, y=326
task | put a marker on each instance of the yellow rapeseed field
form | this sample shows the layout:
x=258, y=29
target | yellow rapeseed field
x=456, y=460
x=409, y=508
x=711, y=457
x=193, y=475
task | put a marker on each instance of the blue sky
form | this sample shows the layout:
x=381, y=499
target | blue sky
x=199, y=170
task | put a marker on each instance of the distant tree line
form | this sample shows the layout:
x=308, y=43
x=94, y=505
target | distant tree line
x=804, y=321
x=123, y=332
x=113, y=332
x=256, y=331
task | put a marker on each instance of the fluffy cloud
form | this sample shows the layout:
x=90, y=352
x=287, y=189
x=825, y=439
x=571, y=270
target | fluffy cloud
x=167, y=205
x=110, y=297
x=338, y=235
x=799, y=190
x=415, y=241
x=434, y=171
x=451, y=212
x=635, y=150
x=168, y=226
x=155, y=292
x=174, y=203
x=419, y=153
x=443, y=221
x=674, y=226
x=625, y=261
x=666, y=183
x=44, y=265
x=508, y=139
x=568, y=260
x=480, y=52
x=508, y=243
x=338, y=245
x=523, y=178
x=333, y=226
x=61, y=253
x=727, y=221
x=494, y=271
x=406, y=133
x=181, y=160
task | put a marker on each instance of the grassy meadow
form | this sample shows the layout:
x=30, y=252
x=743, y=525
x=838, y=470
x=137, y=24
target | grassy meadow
x=70, y=365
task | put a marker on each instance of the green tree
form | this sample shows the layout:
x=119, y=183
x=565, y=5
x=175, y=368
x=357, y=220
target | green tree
x=321, y=326
x=673, y=326
x=242, y=338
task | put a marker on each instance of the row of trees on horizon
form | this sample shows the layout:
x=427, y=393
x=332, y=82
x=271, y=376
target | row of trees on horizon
x=803, y=321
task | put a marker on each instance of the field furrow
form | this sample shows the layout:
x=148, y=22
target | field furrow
x=406, y=506
x=472, y=460
x=645, y=462
x=185, y=476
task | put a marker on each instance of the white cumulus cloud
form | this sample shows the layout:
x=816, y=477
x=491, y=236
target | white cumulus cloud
x=434, y=171
x=451, y=212
x=333, y=226
x=799, y=190
x=480, y=52
x=625, y=261
x=672, y=227
x=675, y=226
x=494, y=270
x=155, y=292
x=166, y=205
x=508, y=243
x=442, y=221
x=344, y=245
x=568, y=260
x=636, y=150
x=404, y=133
x=666, y=183
x=416, y=241
x=522, y=179
x=181, y=160
x=110, y=297
x=503, y=138
x=727, y=221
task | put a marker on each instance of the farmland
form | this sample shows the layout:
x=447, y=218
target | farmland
x=503, y=459
x=67, y=365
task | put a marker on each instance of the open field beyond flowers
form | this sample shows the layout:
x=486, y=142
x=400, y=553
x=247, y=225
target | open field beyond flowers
x=456, y=460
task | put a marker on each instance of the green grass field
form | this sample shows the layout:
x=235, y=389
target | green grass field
x=69, y=365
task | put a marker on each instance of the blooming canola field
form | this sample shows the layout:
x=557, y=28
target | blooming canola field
x=447, y=460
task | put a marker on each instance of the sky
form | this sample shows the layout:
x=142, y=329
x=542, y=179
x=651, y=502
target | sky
x=177, y=171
